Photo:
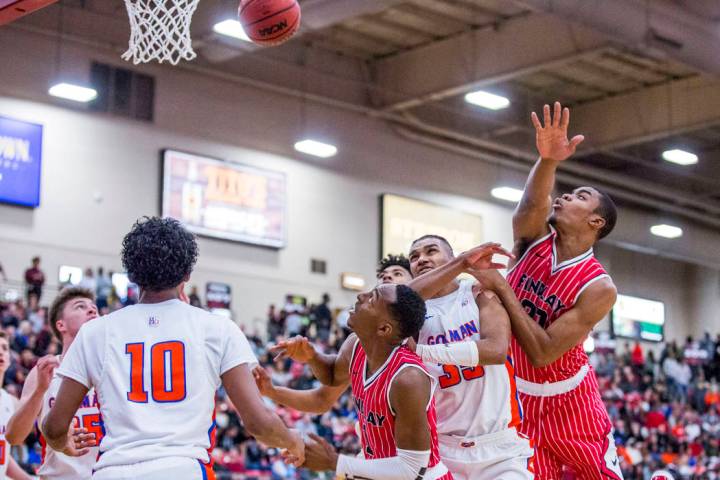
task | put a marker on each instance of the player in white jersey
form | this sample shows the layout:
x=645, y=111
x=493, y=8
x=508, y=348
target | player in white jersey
x=8, y=466
x=465, y=345
x=156, y=366
x=72, y=308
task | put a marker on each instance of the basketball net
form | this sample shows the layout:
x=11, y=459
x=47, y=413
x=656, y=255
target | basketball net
x=160, y=30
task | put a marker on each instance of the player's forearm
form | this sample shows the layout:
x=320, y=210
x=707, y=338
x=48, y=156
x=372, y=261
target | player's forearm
x=533, y=339
x=429, y=284
x=486, y=351
x=323, y=367
x=539, y=185
x=309, y=401
x=56, y=438
x=23, y=420
x=15, y=472
x=269, y=429
x=492, y=351
x=406, y=465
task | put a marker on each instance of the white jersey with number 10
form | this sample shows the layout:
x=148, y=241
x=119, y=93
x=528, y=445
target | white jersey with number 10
x=155, y=369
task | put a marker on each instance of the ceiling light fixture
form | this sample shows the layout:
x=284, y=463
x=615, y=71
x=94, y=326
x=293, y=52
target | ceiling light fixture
x=315, y=148
x=76, y=93
x=509, y=194
x=487, y=100
x=231, y=28
x=680, y=157
x=666, y=231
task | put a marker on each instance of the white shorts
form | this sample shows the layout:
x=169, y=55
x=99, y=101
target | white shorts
x=175, y=468
x=502, y=455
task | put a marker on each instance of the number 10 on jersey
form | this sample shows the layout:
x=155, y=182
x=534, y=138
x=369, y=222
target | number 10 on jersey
x=167, y=371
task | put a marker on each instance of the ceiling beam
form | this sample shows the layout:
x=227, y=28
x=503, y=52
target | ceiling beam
x=669, y=30
x=649, y=114
x=518, y=46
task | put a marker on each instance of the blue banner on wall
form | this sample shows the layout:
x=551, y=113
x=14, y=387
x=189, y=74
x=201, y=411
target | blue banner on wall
x=20, y=162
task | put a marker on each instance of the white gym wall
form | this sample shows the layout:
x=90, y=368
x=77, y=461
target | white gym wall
x=332, y=204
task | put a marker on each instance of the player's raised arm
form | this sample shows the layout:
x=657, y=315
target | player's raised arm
x=37, y=383
x=530, y=218
x=316, y=400
x=542, y=346
x=490, y=349
x=481, y=257
x=331, y=369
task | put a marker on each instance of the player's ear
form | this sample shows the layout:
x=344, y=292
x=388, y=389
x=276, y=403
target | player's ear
x=385, y=329
x=596, y=222
x=60, y=324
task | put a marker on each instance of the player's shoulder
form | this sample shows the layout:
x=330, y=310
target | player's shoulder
x=599, y=289
x=408, y=379
x=99, y=324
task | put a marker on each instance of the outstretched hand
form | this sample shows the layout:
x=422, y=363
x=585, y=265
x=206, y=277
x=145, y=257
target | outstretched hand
x=551, y=136
x=297, y=348
x=320, y=456
x=481, y=257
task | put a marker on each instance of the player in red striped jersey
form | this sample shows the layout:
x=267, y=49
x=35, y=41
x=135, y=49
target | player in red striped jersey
x=391, y=269
x=393, y=392
x=555, y=293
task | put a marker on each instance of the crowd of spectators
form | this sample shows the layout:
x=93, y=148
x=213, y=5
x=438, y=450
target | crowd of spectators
x=665, y=406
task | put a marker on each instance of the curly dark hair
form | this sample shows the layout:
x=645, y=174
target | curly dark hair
x=391, y=261
x=158, y=253
x=408, y=311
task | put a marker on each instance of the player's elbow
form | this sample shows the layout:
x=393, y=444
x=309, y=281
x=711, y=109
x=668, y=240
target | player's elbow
x=12, y=436
x=540, y=360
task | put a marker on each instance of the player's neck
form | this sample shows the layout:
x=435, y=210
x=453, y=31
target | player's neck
x=376, y=352
x=571, y=244
x=158, y=297
x=447, y=289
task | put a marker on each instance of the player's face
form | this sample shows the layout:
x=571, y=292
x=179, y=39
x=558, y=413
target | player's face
x=394, y=274
x=576, y=208
x=75, y=314
x=427, y=255
x=370, y=313
x=4, y=355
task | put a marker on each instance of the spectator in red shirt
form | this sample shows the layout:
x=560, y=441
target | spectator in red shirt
x=35, y=279
x=637, y=356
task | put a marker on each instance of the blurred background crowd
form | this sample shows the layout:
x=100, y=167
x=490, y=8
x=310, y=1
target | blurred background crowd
x=664, y=399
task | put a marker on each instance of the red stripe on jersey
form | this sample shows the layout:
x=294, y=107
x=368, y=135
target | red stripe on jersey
x=547, y=289
x=372, y=403
x=43, y=444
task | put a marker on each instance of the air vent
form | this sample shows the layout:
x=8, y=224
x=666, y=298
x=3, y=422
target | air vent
x=122, y=92
x=318, y=266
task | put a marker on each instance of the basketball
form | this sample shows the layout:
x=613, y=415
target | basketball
x=269, y=22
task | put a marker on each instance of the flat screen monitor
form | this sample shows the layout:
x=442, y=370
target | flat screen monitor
x=638, y=318
x=225, y=200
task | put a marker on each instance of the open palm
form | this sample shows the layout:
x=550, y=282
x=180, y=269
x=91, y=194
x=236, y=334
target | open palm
x=551, y=138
